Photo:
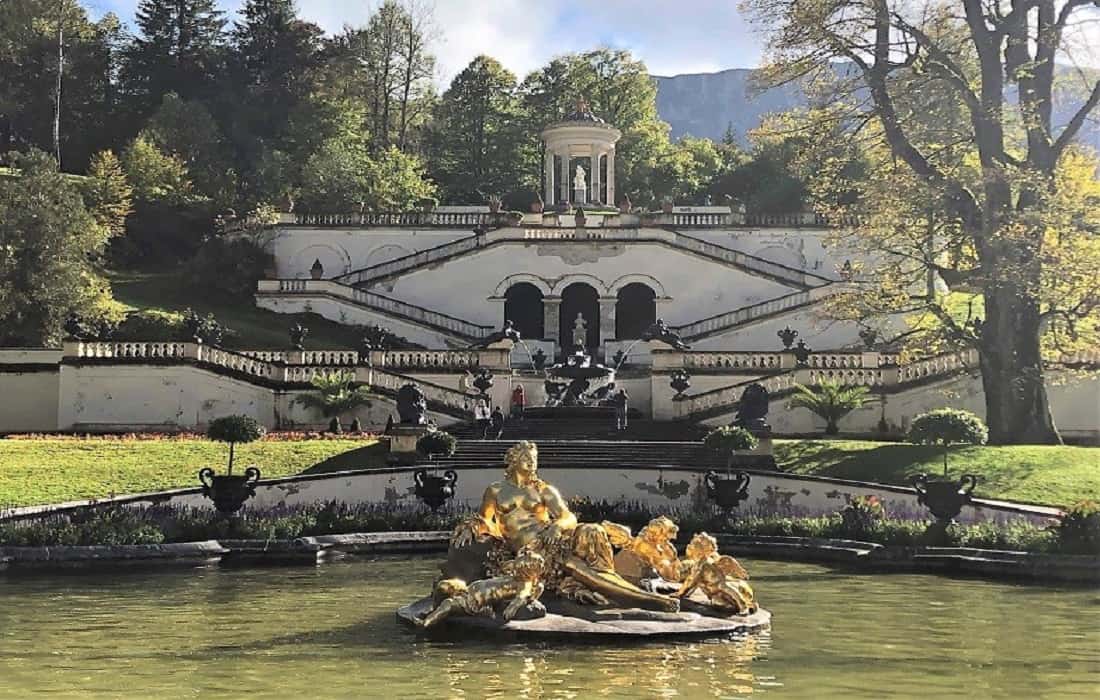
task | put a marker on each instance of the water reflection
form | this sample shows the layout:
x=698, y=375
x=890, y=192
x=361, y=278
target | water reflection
x=331, y=632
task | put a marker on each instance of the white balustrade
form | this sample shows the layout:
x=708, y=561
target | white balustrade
x=426, y=359
x=763, y=361
x=132, y=350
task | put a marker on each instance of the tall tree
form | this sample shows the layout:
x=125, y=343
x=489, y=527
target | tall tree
x=998, y=187
x=479, y=148
x=47, y=239
x=274, y=55
x=179, y=48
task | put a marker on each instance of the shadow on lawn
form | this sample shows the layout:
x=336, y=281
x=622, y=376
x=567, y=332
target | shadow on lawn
x=369, y=457
x=889, y=464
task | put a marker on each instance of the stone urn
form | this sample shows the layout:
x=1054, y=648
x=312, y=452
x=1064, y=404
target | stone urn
x=727, y=490
x=434, y=490
x=944, y=497
x=229, y=492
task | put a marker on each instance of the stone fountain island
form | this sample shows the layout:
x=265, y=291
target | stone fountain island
x=523, y=565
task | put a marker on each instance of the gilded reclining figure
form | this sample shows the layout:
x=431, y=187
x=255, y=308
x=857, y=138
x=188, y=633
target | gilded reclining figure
x=719, y=576
x=523, y=512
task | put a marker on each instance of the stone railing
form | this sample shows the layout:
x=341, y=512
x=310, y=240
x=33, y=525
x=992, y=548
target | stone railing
x=372, y=300
x=730, y=319
x=728, y=396
x=407, y=262
x=763, y=361
x=128, y=350
x=849, y=369
x=447, y=360
x=448, y=219
x=936, y=366
x=434, y=393
x=690, y=219
x=328, y=358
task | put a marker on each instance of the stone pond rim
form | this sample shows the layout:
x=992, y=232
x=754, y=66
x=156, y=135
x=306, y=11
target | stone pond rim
x=624, y=623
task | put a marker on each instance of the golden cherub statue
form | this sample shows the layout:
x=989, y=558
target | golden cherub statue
x=524, y=512
x=521, y=586
x=652, y=548
x=720, y=576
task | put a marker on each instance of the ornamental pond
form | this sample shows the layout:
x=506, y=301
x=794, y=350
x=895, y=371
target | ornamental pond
x=330, y=631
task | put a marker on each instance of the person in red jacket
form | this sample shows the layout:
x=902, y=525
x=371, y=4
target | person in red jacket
x=519, y=401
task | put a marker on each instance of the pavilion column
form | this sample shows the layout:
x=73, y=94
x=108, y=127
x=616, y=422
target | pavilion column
x=549, y=195
x=607, y=319
x=611, y=178
x=551, y=318
x=597, y=196
x=565, y=183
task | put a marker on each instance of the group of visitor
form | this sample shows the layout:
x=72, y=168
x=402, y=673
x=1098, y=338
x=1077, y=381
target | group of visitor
x=490, y=421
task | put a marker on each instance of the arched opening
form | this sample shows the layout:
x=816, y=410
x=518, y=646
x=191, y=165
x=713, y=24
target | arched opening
x=635, y=311
x=579, y=298
x=523, y=307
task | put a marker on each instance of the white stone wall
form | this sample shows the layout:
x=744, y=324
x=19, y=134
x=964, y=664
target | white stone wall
x=696, y=287
x=344, y=250
x=141, y=397
x=670, y=490
x=31, y=401
x=819, y=332
x=345, y=312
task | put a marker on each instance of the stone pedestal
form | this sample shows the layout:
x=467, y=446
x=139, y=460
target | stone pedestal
x=403, y=441
x=580, y=196
x=760, y=458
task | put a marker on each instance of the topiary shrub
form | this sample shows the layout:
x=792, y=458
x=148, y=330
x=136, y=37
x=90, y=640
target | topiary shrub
x=946, y=427
x=356, y=425
x=437, y=442
x=728, y=439
x=334, y=426
x=1079, y=530
x=235, y=429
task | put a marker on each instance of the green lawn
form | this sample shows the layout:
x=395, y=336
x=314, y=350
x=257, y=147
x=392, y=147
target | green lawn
x=52, y=470
x=1032, y=473
x=255, y=328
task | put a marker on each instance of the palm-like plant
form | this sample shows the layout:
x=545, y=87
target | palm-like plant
x=335, y=393
x=830, y=400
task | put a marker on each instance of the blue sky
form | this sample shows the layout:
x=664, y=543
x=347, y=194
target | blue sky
x=690, y=36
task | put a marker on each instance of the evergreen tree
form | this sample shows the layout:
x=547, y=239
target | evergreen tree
x=179, y=49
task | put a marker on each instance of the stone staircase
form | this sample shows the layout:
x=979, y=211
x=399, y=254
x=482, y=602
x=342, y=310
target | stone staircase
x=595, y=454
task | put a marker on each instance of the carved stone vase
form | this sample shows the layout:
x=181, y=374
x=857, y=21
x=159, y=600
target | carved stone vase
x=434, y=490
x=229, y=492
x=944, y=497
x=727, y=490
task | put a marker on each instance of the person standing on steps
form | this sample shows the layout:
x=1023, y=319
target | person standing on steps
x=496, y=423
x=519, y=402
x=482, y=416
x=620, y=401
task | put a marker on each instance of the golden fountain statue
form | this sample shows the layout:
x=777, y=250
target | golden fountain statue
x=524, y=542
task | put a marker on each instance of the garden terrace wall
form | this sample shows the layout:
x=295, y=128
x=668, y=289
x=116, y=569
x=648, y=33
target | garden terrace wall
x=669, y=489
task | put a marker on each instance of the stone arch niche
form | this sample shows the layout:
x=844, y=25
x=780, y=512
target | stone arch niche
x=635, y=310
x=579, y=298
x=523, y=307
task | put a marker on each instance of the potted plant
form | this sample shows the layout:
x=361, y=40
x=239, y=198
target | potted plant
x=830, y=401
x=730, y=489
x=230, y=491
x=945, y=427
x=432, y=489
x=335, y=394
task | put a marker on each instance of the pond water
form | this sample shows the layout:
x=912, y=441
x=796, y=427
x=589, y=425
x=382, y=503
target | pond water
x=331, y=632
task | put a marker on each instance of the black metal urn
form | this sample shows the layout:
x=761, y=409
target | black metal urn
x=229, y=492
x=944, y=497
x=433, y=489
x=727, y=490
x=483, y=380
x=680, y=381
